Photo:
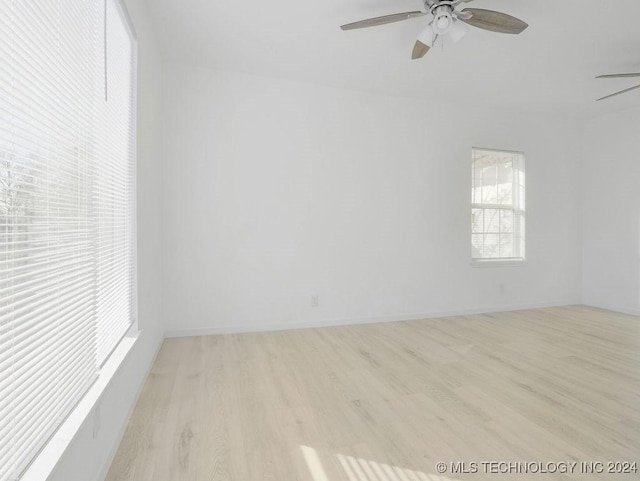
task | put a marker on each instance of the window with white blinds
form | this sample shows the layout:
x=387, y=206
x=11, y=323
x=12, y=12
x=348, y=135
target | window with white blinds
x=498, y=207
x=67, y=262
x=113, y=177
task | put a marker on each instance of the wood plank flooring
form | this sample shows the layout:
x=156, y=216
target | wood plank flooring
x=386, y=402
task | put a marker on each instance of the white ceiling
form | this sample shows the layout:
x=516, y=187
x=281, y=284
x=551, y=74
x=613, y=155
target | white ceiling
x=550, y=67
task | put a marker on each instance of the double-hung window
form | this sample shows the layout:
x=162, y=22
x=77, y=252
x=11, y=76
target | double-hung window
x=67, y=258
x=497, y=206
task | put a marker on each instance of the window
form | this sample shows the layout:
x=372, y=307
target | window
x=67, y=263
x=497, y=205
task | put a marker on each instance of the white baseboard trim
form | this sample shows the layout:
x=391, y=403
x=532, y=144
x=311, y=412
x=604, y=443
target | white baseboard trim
x=614, y=308
x=282, y=326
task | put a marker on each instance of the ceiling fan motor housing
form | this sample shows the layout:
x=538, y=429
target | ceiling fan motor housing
x=442, y=19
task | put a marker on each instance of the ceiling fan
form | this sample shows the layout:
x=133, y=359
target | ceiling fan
x=620, y=75
x=445, y=19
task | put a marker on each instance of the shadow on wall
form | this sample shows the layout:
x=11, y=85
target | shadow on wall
x=357, y=469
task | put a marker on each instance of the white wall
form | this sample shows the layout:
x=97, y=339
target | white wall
x=276, y=191
x=88, y=457
x=611, y=229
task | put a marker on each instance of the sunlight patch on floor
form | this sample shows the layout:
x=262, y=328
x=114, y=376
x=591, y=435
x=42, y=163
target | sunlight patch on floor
x=358, y=469
x=314, y=464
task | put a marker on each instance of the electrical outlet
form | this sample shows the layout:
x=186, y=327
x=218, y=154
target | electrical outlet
x=315, y=300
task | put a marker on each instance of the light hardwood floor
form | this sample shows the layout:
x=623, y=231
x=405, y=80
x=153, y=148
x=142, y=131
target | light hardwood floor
x=386, y=402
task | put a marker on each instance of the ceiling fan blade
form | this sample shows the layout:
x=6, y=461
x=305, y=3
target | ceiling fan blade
x=463, y=16
x=494, y=21
x=619, y=75
x=419, y=50
x=372, y=22
x=621, y=92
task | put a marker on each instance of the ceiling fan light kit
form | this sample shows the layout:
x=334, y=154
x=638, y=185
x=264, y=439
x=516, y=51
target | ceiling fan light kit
x=446, y=20
x=427, y=36
x=457, y=31
x=442, y=19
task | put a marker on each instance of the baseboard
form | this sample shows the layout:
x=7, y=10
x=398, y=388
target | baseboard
x=237, y=329
x=614, y=308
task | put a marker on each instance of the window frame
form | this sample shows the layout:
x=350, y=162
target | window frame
x=519, y=213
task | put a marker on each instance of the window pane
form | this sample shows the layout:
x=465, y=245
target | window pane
x=489, y=184
x=491, y=246
x=506, y=220
x=505, y=171
x=477, y=241
x=505, y=194
x=492, y=221
x=477, y=220
x=505, y=182
x=476, y=189
x=506, y=245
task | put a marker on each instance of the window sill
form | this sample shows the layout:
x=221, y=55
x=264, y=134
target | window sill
x=45, y=462
x=497, y=262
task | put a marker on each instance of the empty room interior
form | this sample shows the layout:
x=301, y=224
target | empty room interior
x=361, y=240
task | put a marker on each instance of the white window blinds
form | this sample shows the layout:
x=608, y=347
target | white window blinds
x=113, y=178
x=66, y=210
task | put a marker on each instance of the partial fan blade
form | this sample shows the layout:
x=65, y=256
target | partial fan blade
x=419, y=50
x=494, y=21
x=619, y=75
x=621, y=92
x=372, y=22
